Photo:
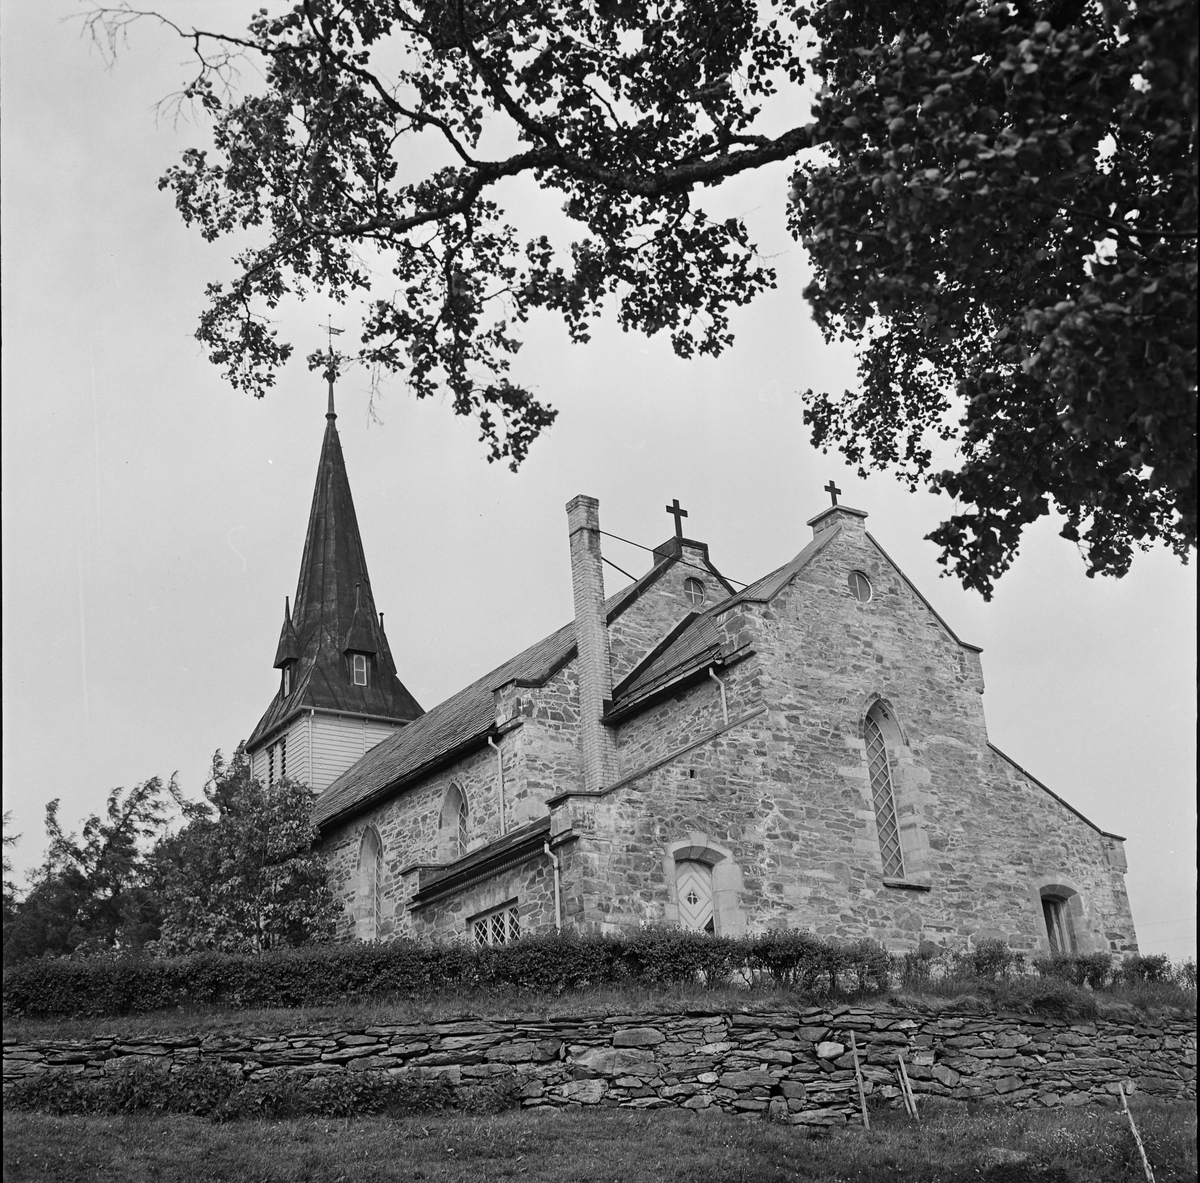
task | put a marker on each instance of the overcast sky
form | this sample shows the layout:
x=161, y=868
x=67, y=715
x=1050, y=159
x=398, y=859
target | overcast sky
x=154, y=517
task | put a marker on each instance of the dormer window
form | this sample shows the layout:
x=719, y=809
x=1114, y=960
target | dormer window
x=287, y=680
x=359, y=663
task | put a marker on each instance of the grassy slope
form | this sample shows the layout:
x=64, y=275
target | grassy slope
x=600, y=1146
x=514, y=1003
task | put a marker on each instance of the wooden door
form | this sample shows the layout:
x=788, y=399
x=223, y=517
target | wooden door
x=693, y=885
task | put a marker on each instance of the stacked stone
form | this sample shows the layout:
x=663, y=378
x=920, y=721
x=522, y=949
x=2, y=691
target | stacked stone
x=790, y=1065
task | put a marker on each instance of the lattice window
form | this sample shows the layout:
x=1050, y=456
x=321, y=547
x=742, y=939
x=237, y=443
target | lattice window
x=884, y=799
x=501, y=927
x=464, y=831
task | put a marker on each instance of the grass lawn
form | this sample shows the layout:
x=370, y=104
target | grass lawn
x=512, y=1003
x=603, y=1146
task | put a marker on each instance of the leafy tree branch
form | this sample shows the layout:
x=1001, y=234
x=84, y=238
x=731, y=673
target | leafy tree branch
x=999, y=204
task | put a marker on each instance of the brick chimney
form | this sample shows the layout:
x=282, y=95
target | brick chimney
x=591, y=640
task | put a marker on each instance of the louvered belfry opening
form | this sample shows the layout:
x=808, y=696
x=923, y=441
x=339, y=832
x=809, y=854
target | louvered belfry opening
x=884, y=799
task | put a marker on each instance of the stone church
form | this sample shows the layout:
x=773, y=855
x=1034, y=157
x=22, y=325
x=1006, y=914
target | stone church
x=807, y=752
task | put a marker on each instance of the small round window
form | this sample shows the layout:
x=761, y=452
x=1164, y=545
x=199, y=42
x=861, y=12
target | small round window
x=860, y=585
x=693, y=589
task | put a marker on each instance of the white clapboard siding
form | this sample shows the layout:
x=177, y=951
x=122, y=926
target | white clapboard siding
x=337, y=742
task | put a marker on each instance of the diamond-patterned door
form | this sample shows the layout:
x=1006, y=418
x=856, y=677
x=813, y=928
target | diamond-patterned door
x=693, y=884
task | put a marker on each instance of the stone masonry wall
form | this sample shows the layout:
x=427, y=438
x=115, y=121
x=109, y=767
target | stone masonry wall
x=981, y=836
x=783, y=800
x=789, y=1065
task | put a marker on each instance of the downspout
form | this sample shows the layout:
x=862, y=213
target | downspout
x=500, y=775
x=557, y=900
x=724, y=703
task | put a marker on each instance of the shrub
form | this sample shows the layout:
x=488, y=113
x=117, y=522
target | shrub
x=1152, y=969
x=1092, y=969
x=1185, y=974
x=990, y=959
x=870, y=964
x=790, y=958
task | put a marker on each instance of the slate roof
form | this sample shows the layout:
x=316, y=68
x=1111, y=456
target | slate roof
x=695, y=644
x=334, y=605
x=519, y=843
x=465, y=719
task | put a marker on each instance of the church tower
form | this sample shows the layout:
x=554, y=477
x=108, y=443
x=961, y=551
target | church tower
x=338, y=691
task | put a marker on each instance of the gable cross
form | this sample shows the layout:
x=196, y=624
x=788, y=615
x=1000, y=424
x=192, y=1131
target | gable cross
x=833, y=491
x=678, y=514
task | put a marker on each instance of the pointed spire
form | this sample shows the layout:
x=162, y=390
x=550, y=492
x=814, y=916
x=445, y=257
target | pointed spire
x=289, y=648
x=335, y=611
x=359, y=638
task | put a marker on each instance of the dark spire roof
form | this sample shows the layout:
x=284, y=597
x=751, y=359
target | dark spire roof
x=289, y=647
x=334, y=607
x=359, y=638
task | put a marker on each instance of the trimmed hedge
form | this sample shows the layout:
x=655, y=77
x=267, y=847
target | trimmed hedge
x=326, y=974
x=323, y=975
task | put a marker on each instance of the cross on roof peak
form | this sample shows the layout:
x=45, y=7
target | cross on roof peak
x=678, y=514
x=833, y=491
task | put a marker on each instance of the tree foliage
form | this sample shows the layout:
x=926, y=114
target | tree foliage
x=1001, y=210
x=1006, y=219
x=9, y=887
x=241, y=876
x=93, y=892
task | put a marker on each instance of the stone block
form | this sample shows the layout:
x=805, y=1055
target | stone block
x=583, y=1092
x=773, y=1056
x=615, y=1061
x=828, y=1050
x=638, y=1037
x=747, y=1079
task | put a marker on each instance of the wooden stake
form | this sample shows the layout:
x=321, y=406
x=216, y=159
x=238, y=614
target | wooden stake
x=862, y=1096
x=903, y=1093
x=912, y=1101
x=1136, y=1136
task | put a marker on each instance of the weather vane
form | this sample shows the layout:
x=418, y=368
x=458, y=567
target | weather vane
x=331, y=371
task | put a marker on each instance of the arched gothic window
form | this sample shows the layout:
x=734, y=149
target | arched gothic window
x=882, y=793
x=454, y=830
x=370, y=875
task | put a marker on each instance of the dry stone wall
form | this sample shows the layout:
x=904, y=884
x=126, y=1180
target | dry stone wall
x=791, y=1065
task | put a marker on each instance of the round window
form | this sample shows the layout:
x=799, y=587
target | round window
x=693, y=589
x=860, y=585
